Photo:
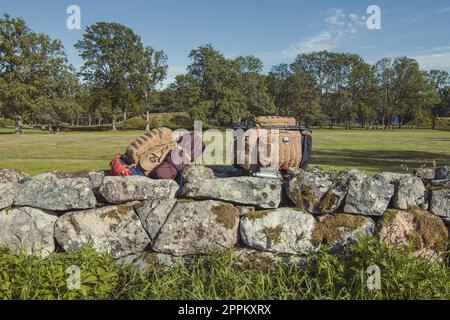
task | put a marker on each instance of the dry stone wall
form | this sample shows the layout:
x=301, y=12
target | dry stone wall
x=137, y=219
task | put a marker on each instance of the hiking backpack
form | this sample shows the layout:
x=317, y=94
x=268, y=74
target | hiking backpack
x=294, y=144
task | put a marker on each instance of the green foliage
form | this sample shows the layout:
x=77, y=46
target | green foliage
x=6, y=123
x=36, y=81
x=117, y=63
x=221, y=275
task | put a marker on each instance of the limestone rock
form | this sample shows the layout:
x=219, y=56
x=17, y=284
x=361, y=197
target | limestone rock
x=262, y=193
x=425, y=174
x=27, y=230
x=11, y=176
x=153, y=214
x=339, y=230
x=307, y=189
x=427, y=231
x=196, y=173
x=368, y=196
x=115, y=230
x=440, y=203
x=335, y=195
x=250, y=258
x=284, y=230
x=410, y=193
x=51, y=193
x=7, y=193
x=147, y=261
x=193, y=227
x=136, y=188
x=443, y=173
x=243, y=210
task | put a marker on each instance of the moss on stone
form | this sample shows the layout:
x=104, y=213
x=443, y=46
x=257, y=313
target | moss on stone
x=430, y=228
x=327, y=202
x=8, y=210
x=116, y=212
x=302, y=195
x=226, y=214
x=388, y=217
x=272, y=235
x=328, y=230
x=74, y=223
x=257, y=214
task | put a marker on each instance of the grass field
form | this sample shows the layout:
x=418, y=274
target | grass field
x=35, y=152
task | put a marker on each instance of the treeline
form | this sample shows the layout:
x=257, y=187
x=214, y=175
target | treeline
x=121, y=78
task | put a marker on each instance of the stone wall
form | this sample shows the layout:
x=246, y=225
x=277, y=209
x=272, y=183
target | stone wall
x=137, y=218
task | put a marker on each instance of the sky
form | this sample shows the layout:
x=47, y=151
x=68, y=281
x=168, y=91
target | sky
x=274, y=30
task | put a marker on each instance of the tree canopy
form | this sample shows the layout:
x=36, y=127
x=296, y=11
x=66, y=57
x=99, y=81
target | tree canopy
x=122, y=76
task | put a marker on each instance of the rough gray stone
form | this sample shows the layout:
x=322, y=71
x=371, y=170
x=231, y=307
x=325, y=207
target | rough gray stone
x=391, y=177
x=27, y=230
x=243, y=210
x=11, y=176
x=284, y=230
x=149, y=260
x=265, y=259
x=96, y=178
x=339, y=230
x=410, y=193
x=262, y=193
x=194, y=227
x=440, y=203
x=153, y=214
x=51, y=193
x=307, y=189
x=368, y=196
x=334, y=197
x=425, y=174
x=441, y=183
x=443, y=173
x=136, y=188
x=196, y=173
x=7, y=193
x=115, y=230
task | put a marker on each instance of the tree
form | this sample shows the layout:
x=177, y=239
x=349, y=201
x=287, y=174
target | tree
x=252, y=86
x=440, y=81
x=153, y=72
x=404, y=90
x=116, y=61
x=36, y=81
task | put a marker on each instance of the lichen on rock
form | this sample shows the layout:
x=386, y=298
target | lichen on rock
x=338, y=230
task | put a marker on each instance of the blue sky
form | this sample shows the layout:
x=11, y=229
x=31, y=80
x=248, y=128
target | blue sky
x=276, y=30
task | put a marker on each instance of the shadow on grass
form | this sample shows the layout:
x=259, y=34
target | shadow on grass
x=379, y=159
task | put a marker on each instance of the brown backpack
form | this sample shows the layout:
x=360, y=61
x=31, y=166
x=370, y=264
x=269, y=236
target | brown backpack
x=156, y=138
x=289, y=142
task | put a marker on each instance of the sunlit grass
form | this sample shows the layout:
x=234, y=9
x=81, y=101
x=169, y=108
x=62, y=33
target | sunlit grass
x=36, y=152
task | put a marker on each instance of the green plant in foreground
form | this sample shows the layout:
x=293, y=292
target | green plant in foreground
x=221, y=275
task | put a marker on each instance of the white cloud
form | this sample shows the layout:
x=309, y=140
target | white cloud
x=438, y=60
x=339, y=27
x=443, y=10
x=320, y=41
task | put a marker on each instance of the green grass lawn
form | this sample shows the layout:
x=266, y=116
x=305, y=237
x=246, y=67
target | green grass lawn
x=36, y=152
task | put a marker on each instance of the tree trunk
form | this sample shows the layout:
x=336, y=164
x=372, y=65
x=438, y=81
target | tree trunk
x=114, y=123
x=89, y=120
x=147, y=121
x=125, y=119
